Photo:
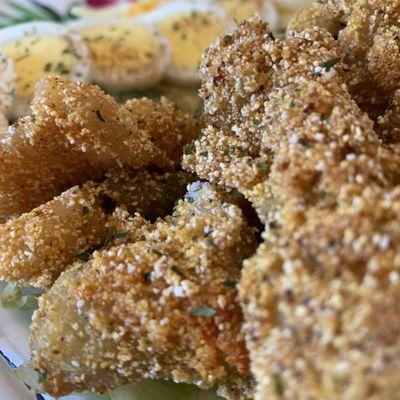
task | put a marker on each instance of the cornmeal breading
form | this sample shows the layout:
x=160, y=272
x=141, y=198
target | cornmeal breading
x=320, y=297
x=388, y=125
x=322, y=305
x=36, y=247
x=160, y=308
x=368, y=33
x=276, y=129
x=76, y=134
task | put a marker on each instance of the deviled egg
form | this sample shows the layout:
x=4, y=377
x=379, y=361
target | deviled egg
x=190, y=28
x=7, y=89
x=243, y=9
x=37, y=50
x=126, y=54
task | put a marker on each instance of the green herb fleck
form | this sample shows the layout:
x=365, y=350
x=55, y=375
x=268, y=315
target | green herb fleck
x=42, y=376
x=256, y=121
x=178, y=271
x=202, y=312
x=204, y=154
x=195, y=238
x=120, y=235
x=291, y=104
x=211, y=243
x=328, y=65
x=85, y=210
x=147, y=277
x=262, y=166
x=229, y=283
x=227, y=39
x=279, y=389
x=188, y=149
x=99, y=116
x=83, y=256
x=156, y=252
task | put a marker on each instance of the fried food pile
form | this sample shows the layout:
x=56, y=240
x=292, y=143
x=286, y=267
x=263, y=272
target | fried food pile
x=285, y=128
x=140, y=268
x=145, y=281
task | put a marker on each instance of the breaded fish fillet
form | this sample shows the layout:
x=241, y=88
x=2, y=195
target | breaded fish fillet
x=76, y=134
x=36, y=247
x=368, y=33
x=281, y=126
x=322, y=306
x=320, y=297
x=160, y=308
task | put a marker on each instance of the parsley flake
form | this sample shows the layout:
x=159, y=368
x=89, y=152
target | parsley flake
x=120, y=235
x=262, y=166
x=83, y=256
x=42, y=376
x=329, y=64
x=156, y=252
x=279, y=389
x=204, y=153
x=99, y=116
x=229, y=283
x=85, y=210
x=256, y=121
x=188, y=149
x=147, y=277
x=227, y=39
x=177, y=271
x=202, y=312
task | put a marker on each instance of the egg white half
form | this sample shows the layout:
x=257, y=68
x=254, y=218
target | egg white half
x=181, y=23
x=40, y=49
x=127, y=54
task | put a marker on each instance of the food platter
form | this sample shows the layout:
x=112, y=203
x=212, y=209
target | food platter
x=200, y=200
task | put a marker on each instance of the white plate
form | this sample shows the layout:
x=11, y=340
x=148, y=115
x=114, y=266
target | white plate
x=14, y=350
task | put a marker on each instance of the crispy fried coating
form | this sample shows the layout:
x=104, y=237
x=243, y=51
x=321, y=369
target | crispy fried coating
x=160, y=308
x=388, y=124
x=76, y=134
x=368, y=34
x=281, y=126
x=320, y=297
x=34, y=168
x=36, y=247
x=169, y=128
x=322, y=305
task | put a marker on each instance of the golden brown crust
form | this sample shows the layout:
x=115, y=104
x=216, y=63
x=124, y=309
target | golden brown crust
x=368, y=32
x=76, y=134
x=160, y=308
x=169, y=128
x=321, y=306
x=36, y=247
x=388, y=124
x=320, y=296
x=290, y=137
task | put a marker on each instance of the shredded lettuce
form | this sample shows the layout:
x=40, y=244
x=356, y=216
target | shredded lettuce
x=12, y=297
x=145, y=390
x=27, y=374
x=162, y=390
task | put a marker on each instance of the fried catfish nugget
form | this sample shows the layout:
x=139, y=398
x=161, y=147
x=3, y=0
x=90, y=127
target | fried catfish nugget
x=368, y=34
x=76, y=134
x=36, y=247
x=282, y=127
x=169, y=128
x=162, y=308
x=322, y=306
